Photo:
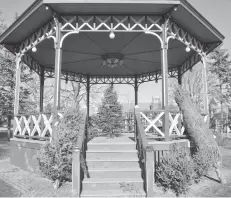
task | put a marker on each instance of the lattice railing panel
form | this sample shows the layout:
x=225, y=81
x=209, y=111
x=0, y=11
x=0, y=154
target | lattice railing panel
x=152, y=122
x=40, y=125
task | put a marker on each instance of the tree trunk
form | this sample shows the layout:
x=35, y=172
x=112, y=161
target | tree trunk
x=9, y=127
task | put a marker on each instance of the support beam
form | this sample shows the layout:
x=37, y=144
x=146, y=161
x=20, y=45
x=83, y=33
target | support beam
x=136, y=91
x=41, y=89
x=58, y=66
x=164, y=70
x=179, y=77
x=88, y=96
x=17, y=84
x=205, y=86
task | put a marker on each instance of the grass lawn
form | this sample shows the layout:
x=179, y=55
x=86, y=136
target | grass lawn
x=16, y=182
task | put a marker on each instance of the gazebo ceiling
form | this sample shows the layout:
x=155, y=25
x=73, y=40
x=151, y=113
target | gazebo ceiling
x=83, y=52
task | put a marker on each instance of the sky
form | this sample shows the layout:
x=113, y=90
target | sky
x=215, y=11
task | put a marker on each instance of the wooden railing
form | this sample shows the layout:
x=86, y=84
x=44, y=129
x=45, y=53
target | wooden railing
x=151, y=152
x=35, y=126
x=78, y=155
x=142, y=145
x=153, y=125
x=128, y=122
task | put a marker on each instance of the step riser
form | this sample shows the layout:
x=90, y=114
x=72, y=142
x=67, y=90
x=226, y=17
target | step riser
x=111, y=156
x=115, y=174
x=112, y=165
x=107, y=186
x=111, y=147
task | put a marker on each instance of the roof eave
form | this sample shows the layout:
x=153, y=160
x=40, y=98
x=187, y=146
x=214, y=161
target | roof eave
x=112, y=1
x=204, y=21
x=21, y=19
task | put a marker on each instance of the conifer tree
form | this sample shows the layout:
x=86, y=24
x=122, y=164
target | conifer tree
x=110, y=113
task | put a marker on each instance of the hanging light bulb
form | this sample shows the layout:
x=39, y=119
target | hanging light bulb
x=112, y=35
x=47, y=8
x=175, y=8
x=34, y=49
x=188, y=49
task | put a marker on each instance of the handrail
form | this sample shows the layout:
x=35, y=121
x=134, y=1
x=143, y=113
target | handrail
x=82, y=134
x=78, y=153
x=140, y=128
x=142, y=146
x=36, y=113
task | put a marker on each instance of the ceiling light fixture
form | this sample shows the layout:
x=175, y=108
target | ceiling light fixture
x=112, y=60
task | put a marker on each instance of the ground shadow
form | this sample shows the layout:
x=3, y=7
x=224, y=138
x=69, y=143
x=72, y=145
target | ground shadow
x=132, y=138
x=210, y=178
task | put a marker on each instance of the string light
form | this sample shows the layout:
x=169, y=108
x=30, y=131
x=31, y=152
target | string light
x=188, y=49
x=112, y=35
x=34, y=49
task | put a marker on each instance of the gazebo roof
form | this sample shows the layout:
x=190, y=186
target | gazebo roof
x=83, y=52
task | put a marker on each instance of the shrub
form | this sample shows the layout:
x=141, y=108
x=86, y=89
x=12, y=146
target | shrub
x=93, y=129
x=55, y=158
x=176, y=171
x=204, y=160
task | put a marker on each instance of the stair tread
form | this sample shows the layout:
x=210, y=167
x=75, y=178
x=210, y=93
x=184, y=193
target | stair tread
x=113, y=160
x=115, y=170
x=109, y=193
x=112, y=151
x=112, y=180
x=110, y=143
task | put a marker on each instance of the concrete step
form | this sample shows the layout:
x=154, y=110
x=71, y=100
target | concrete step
x=94, y=184
x=111, y=146
x=102, y=164
x=114, y=193
x=111, y=155
x=115, y=173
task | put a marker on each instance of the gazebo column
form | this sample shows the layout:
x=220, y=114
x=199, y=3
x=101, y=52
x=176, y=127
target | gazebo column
x=17, y=84
x=205, y=86
x=58, y=66
x=41, y=90
x=164, y=71
x=136, y=91
x=88, y=96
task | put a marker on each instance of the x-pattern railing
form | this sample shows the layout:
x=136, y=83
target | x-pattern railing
x=29, y=125
x=154, y=121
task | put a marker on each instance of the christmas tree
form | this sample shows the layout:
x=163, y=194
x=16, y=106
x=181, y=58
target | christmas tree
x=110, y=113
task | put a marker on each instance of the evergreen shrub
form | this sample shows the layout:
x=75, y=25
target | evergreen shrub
x=176, y=171
x=55, y=158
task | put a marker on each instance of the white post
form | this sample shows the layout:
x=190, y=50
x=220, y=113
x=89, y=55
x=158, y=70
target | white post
x=164, y=71
x=205, y=86
x=17, y=84
x=58, y=65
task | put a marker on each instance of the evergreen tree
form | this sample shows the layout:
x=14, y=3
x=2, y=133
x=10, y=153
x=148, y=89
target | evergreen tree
x=110, y=113
x=220, y=66
x=7, y=86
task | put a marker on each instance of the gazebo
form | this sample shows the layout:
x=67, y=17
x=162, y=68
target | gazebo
x=104, y=42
